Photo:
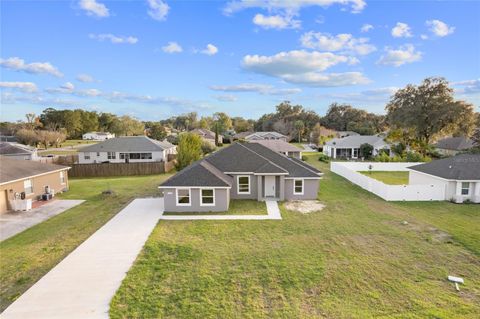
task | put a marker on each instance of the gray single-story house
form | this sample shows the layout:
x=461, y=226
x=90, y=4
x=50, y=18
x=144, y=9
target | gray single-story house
x=240, y=171
x=349, y=146
x=453, y=145
x=281, y=146
x=460, y=175
x=18, y=151
x=265, y=136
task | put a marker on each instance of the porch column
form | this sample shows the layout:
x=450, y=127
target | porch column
x=282, y=187
x=259, y=188
x=334, y=152
x=476, y=192
x=458, y=193
x=353, y=153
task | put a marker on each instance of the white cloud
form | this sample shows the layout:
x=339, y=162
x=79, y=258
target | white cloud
x=341, y=42
x=403, y=55
x=226, y=98
x=88, y=92
x=172, y=47
x=254, y=87
x=113, y=38
x=18, y=64
x=276, y=21
x=68, y=86
x=290, y=6
x=467, y=87
x=28, y=87
x=158, y=9
x=366, y=27
x=317, y=79
x=423, y=36
x=93, y=8
x=85, y=78
x=402, y=30
x=210, y=50
x=440, y=28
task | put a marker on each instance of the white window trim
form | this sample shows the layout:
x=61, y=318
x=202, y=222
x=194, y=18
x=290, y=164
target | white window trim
x=189, y=197
x=303, y=186
x=238, y=185
x=201, y=197
x=462, y=188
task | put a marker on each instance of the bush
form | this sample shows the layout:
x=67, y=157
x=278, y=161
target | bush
x=416, y=157
x=219, y=144
x=324, y=158
x=207, y=147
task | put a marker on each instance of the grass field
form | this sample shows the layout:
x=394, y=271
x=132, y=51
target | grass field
x=26, y=257
x=354, y=259
x=237, y=207
x=48, y=152
x=391, y=178
x=69, y=143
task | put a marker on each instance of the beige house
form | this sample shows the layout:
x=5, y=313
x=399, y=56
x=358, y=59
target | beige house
x=207, y=135
x=29, y=179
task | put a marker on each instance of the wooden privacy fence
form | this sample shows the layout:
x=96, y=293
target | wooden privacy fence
x=119, y=169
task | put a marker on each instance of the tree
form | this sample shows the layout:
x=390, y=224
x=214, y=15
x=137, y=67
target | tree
x=105, y=121
x=222, y=122
x=299, y=127
x=157, y=131
x=321, y=134
x=344, y=117
x=207, y=147
x=366, y=150
x=189, y=150
x=205, y=122
x=429, y=109
x=241, y=125
x=26, y=136
x=127, y=126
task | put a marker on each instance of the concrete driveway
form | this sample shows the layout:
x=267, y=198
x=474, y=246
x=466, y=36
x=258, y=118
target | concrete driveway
x=12, y=223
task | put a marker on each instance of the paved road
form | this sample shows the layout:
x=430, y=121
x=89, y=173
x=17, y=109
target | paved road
x=82, y=285
x=12, y=223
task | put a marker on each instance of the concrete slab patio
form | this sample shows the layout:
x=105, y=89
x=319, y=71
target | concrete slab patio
x=12, y=223
x=82, y=285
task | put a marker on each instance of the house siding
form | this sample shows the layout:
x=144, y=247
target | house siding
x=253, y=187
x=103, y=157
x=222, y=200
x=310, y=189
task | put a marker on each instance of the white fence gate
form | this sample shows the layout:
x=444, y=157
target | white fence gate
x=349, y=170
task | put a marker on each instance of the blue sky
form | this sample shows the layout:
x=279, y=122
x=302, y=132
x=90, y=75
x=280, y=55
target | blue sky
x=153, y=59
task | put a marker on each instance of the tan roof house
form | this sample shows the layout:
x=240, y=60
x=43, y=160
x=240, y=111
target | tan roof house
x=207, y=135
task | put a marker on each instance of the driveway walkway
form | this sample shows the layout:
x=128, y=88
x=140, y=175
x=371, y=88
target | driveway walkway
x=12, y=223
x=82, y=285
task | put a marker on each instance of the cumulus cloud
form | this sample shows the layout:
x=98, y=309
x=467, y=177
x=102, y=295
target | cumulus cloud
x=403, y=55
x=225, y=98
x=28, y=87
x=366, y=27
x=172, y=47
x=341, y=42
x=113, y=38
x=290, y=6
x=254, y=87
x=94, y=8
x=402, y=30
x=317, y=79
x=19, y=65
x=439, y=28
x=210, y=50
x=467, y=87
x=276, y=21
x=85, y=78
x=158, y=9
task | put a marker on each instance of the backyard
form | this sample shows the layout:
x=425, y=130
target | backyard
x=359, y=257
x=390, y=178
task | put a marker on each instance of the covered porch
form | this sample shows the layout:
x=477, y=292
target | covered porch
x=271, y=187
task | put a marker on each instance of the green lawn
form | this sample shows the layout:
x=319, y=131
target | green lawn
x=48, y=152
x=299, y=145
x=237, y=207
x=68, y=143
x=26, y=257
x=354, y=259
x=391, y=178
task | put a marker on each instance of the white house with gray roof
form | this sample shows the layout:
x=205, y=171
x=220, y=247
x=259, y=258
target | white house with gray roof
x=240, y=171
x=127, y=149
x=349, y=146
x=266, y=136
x=98, y=136
x=459, y=174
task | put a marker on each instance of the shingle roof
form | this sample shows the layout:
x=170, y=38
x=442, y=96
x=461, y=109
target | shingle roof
x=277, y=145
x=9, y=148
x=262, y=134
x=355, y=141
x=15, y=169
x=242, y=135
x=128, y=144
x=460, y=167
x=199, y=174
x=455, y=143
x=204, y=133
x=306, y=165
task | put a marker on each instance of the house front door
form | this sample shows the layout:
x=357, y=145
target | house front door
x=269, y=186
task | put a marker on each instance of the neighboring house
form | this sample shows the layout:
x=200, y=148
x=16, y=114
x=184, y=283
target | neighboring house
x=460, y=175
x=8, y=138
x=126, y=149
x=207, y=135
x=342, y=134
x=240, y=171
x=29, y=177
x=282, y=147
x=453, y=145
x=266, y=136
x=349, y=147
x=98, y=136
x=241, y=135
x=18, y=151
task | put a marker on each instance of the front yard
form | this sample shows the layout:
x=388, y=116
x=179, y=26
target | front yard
x=237, y=207
x=26, y=257
x=390, y=178
x=354, y=259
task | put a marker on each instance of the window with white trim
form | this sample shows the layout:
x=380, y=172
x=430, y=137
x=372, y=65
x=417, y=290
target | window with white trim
x=465, y=188
x=111, y=155
x=298, y=186
x=243, y=183
x=28, y=186
x=208, y=196
x=62, y=177
x=183, y=196
x=86, y=155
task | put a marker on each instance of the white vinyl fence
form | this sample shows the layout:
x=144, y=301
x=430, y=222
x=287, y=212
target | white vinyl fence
x=349, y=170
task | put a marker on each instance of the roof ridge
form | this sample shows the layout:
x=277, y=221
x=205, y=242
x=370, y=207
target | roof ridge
x=265, y=158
